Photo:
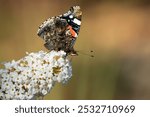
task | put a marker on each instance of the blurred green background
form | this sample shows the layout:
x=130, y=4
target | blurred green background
x=118, y=31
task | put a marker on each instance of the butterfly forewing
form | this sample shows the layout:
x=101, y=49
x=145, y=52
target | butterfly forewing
x=60, y=32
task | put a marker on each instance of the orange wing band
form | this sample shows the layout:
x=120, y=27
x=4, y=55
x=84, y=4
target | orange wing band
x=73, y=33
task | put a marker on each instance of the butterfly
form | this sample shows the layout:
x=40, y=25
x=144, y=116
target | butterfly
x=60, y=32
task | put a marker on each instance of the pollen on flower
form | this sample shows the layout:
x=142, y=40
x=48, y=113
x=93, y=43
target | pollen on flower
x=56, y=70
x=34, y=75
x=56, y=57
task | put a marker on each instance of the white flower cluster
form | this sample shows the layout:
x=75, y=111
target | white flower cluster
x=34, y=75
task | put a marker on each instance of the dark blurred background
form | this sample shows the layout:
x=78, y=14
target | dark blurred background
x=118, y=31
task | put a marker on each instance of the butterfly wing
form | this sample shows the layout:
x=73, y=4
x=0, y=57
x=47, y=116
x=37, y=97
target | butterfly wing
x=60, y=33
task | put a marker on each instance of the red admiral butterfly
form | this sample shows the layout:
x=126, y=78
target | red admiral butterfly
x=60, y=32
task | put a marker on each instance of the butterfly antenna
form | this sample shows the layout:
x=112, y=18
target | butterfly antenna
x=90, y=55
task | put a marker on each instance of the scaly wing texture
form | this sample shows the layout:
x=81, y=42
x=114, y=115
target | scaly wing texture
x=60, y=32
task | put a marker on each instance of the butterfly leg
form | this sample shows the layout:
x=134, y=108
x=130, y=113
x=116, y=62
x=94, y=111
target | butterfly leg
x=72, y=51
